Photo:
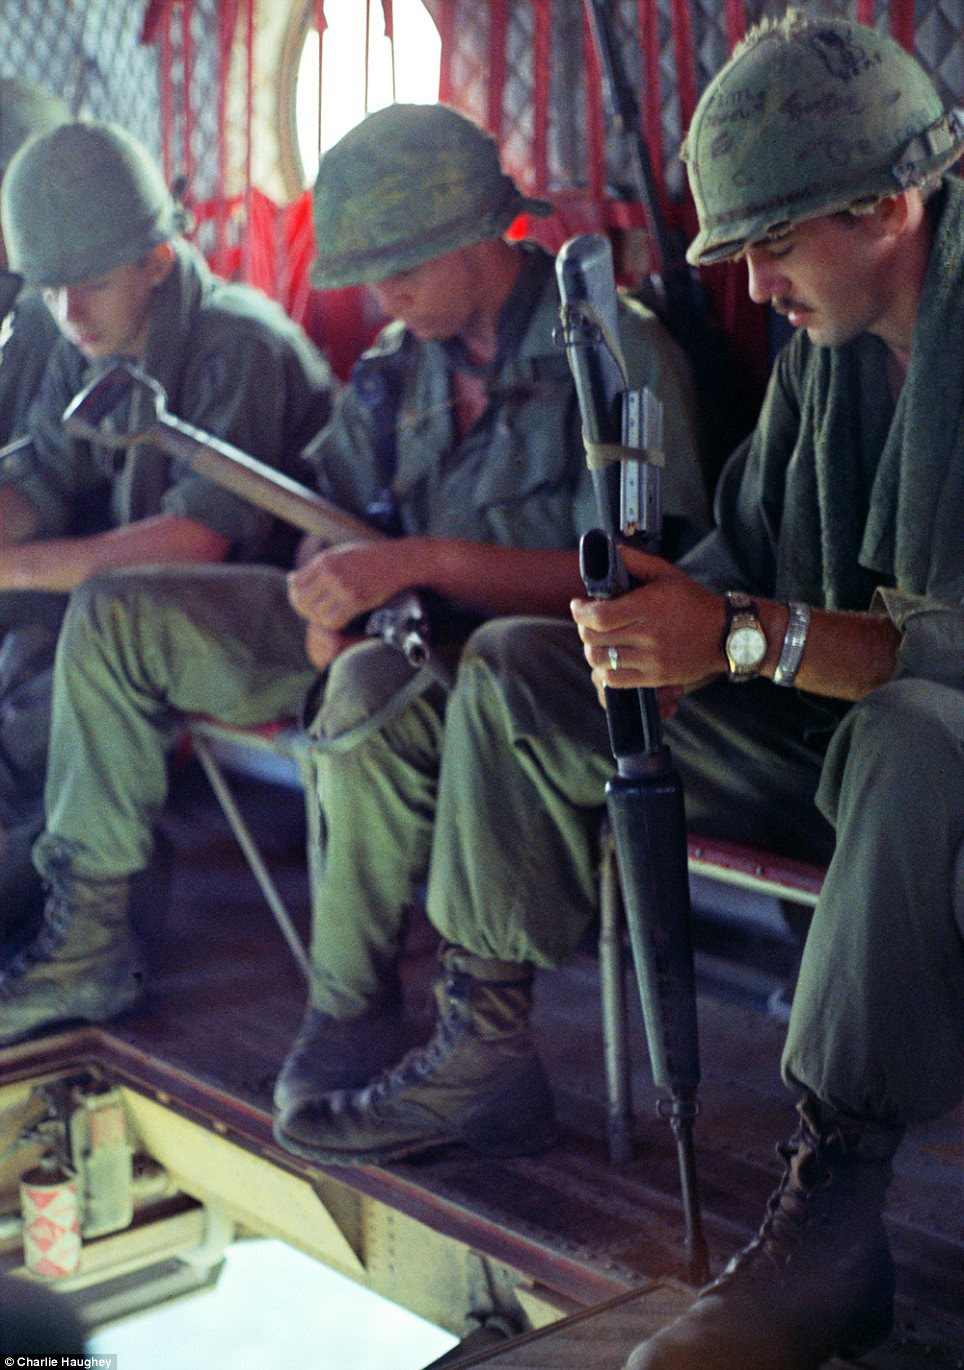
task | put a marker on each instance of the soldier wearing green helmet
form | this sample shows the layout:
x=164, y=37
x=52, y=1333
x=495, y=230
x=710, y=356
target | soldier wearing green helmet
x=851, y=119
x=385, y=204
x=27, y=329
x=461, y=425
x=837, y=566
x=27, y=335
x=88, y=220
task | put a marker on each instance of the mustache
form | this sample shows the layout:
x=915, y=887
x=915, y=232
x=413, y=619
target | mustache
x=783, y=304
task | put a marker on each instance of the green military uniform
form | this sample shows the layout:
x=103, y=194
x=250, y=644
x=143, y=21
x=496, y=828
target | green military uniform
x=27, y=336
x=32, y=333
x=795, y=522
x=28, y=333
x=224, y=640
x=842, y=492
x=230, y=361
x=28, y=628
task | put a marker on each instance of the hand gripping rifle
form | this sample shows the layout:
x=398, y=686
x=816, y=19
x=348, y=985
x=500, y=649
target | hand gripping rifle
x=622, y=431
x=402, y=621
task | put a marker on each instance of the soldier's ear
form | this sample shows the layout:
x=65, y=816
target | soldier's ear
x=891, y=214
x=158, y=263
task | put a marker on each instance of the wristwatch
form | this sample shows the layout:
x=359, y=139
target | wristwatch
x=744, y=641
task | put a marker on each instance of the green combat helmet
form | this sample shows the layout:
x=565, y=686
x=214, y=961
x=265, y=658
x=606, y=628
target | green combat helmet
x=407, y=184
x=25, y=109
x=80, y=200
x=810, y=117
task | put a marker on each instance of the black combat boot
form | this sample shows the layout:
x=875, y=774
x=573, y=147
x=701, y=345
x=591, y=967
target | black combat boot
x=818, y=1278
x=82, y=964
x=477, y=1082
x=343, y=1053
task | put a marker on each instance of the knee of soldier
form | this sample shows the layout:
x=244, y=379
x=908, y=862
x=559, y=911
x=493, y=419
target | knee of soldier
x=92, y=607
x=903, y=728
x=369, y=685
x=508, y=648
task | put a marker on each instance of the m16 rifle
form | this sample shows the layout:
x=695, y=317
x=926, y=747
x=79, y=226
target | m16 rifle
x=644, y=799
x=401, y=621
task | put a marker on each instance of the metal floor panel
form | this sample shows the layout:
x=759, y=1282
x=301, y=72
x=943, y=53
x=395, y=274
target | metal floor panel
x=224, y=1002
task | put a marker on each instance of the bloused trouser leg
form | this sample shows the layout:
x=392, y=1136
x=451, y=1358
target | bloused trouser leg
x=381, y=734
x=502, y=805
x=377, y=739
x=137, y=649
x=877, y=1026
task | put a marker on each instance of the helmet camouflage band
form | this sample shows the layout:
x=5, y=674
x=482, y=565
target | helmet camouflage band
x=810, y=117
x=80, y=200
x=407, y=184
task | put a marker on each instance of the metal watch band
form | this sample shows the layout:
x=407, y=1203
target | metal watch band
x=794, y=641
x=741, y=617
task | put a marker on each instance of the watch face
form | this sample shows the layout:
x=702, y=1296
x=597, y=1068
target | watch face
x=746, y=647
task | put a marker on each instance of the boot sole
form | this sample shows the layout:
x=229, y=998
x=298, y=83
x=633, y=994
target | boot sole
x=502, y=1149
x=65, y=1024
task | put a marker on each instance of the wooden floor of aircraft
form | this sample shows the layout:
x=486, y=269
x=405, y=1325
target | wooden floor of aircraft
x=225, y=998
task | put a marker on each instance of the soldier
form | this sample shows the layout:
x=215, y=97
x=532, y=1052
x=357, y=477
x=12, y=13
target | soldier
x=27, y=335
x=29, y=330
x=817, y=155
x=463, y=420
x=87, y=219
x=838, y=564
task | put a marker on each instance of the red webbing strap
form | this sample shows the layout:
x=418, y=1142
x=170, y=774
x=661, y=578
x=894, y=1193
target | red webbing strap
x=652, y=102
x=541, y=59
x=595, y=129
x=498, y=25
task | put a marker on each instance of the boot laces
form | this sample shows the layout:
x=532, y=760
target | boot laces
x=793, y=1204
x=421, y=1062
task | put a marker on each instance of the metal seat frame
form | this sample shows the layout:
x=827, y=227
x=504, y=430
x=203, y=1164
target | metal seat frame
x=290, y=741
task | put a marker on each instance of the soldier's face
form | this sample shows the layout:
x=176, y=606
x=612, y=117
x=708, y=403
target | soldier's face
x=109, y=315
x=826, y=275
x=435, y=300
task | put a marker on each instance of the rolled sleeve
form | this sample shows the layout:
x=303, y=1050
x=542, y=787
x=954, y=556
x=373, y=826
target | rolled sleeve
x=932, y=636
x=245, y=527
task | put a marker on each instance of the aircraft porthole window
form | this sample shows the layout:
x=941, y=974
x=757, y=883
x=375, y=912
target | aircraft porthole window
x=403, y=68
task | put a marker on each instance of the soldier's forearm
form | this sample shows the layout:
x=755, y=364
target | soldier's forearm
x=499, y=580
x=846, y=654
x=19, y=519
x=61, y=564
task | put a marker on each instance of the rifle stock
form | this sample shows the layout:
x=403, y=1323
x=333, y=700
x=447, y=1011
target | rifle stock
x=644, y=799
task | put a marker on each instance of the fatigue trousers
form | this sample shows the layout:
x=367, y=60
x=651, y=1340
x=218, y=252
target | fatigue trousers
x=497, y=804
x=492, y=797
x=138, y=649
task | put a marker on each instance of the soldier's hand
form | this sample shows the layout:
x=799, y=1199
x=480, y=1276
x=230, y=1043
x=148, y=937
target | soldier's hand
x=322, y=645
x=338, y=584
x=665, y=634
